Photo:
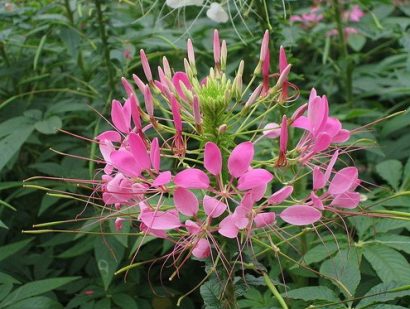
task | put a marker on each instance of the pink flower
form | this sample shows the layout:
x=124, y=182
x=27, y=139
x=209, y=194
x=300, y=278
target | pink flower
x=310, y=19
x=355, y=14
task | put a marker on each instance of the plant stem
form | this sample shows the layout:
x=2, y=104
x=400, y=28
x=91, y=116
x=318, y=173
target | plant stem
x=274, y=291
x=345, y=54
x=105, y=46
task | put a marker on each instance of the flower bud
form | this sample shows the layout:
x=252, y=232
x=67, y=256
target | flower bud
x=254, y=96
x=145, y=65
x=224, y=55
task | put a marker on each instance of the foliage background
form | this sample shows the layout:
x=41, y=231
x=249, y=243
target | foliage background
x=61, y=61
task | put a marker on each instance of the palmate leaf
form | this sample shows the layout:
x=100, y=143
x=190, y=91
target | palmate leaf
x=108, y=254
x=390, y=171
x=381, y=293
x=389, y=264
x=398, y=242
x=210, y=292
x=344, y=270
x=313, y=293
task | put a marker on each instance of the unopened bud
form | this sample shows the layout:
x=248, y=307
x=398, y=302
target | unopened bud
x=217, y=49
x=167, y=68
x=299, y=112
x=149, y=101
x=145, y=65
x=140, y=84
x=191, y=56
x=224, y=55
x=283, y=76
x=254, y=96
x=222, y=128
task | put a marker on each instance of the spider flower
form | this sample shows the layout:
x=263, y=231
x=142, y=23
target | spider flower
x=203, y=129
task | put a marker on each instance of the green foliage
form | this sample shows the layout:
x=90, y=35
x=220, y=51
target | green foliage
x=60, y=60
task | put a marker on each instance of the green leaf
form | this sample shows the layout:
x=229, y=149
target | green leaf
x=39, y=302
x=71, y=38
x=406, y=175
x=35, y=288
x=2, y=225
x=344, y=269
x=356, y=41
x=49, y=126
x=382, y=293
x=9, y=250
x=11, y=143
x=124, y=301
x=390, y=171
x=320, y=252
x=210, y=292
x=108, y=254
x=38, y=51
x=389, y=264
x=312, y=293
x=5, y=289
x=5, y=204
x=398, y=242
x=5, y=278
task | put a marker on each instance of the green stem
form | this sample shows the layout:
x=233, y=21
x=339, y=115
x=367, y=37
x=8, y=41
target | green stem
x=274, y=291
x=345, y=54
x=105, y=45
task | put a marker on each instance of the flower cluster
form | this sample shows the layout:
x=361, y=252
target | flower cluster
x=186, y=161
x=315, y=16
x=215, y=10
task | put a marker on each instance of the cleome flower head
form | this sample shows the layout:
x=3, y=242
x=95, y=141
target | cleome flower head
x=185, y=165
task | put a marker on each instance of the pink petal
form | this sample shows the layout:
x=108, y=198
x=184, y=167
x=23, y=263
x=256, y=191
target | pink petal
x=228, y=228
x=318, y=179
x=139, y=151
x=149, y=101
x=155, y=154
x=247, y=202
x=212, y=158
x=316, y=114
x=240, y=159
x=192, y=178
x=181, y=77
x=125, y=162
x=213, y=207
x=332, y=126
x=162, y=179
x=192, y=227
x=160, y=220
x=254, y=178
x=112, y=136
x=280, y=195
x=300, y=215
x=120, y=116
x=316, y=201
x=346, y=200
x=302, y=122
x=322, y=142
x=258, y=193
x=240, y=217
x=202, y=249
x=330, y=166
x=343, y=180
x=152, y=232
x=185, y=202
x=264, y=219
x=342, y=136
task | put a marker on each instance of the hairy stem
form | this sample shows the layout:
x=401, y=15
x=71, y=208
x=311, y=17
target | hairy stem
x=274, y=291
